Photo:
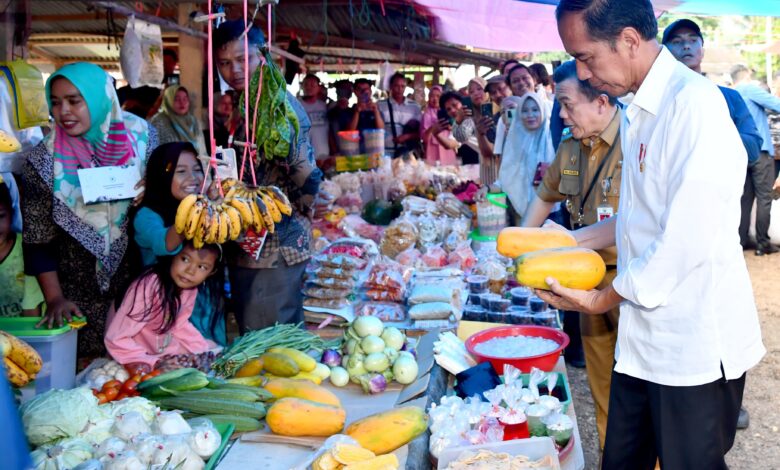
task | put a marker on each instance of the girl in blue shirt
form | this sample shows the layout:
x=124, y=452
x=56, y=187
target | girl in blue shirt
x=172, y=173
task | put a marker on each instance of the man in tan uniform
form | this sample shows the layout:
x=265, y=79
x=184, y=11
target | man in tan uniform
x=586, y=174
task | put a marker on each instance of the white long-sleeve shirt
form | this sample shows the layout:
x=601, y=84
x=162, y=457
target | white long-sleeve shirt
x=758, y=102
x=689, y=303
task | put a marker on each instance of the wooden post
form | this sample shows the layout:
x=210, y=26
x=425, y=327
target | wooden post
x=436, y=73
x=191, y=61
x=14, y=27
x=7, y=28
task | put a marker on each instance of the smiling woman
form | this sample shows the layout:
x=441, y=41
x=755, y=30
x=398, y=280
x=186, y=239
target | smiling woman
x=78, y=252
x=176, y=123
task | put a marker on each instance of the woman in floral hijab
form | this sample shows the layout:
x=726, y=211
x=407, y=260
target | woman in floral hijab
x=78, y=251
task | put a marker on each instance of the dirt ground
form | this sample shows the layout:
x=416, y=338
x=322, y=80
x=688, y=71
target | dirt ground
x=758, y=446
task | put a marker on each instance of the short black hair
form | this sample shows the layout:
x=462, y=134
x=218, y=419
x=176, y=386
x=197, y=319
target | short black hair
x=506, y=64
x=363, y=81
x=5, y=198
x=514, y=69
x=170, y=53
x=540, y=74
x=311, y=75
x=568, y=70
x=450, y=95
x=232, y=30
x=396, y=76
x=605, y=19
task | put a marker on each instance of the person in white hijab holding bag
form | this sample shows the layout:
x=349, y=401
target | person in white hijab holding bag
x=526, y=152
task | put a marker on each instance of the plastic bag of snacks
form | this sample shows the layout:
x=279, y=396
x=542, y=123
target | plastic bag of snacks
x=399, y=236
x=385, y=311
x=409, y=257
x=435, y=257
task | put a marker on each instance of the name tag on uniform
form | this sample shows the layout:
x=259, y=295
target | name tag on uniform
x=571, y=172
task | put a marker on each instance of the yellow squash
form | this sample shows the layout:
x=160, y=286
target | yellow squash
x=575, y=268
x=297, y=417
x=385, y=432
x=279, y=365
x=516, y=241
x=292, y=388
x=250, y=368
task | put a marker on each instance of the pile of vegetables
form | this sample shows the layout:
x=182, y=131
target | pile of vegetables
x=21, y=361
x=222, y=402
x=255, y=343
x=70, y=430
x=373, y=357
x=108, y=371
x=285, y=362
x=117, y=389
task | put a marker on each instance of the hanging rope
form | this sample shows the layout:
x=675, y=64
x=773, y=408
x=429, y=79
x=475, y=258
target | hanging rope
x=212, y=142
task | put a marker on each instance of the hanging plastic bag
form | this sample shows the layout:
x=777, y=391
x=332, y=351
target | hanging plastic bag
x=25, y=85
x=141, y=55
x=385, y=72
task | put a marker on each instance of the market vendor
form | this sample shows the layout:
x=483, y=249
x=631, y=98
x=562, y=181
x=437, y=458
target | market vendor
x=78, y=251
x=586, y=174
x=267, y=289
x=689, y=328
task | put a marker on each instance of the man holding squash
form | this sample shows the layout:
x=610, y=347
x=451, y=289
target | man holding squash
x=689, y=328
x=586, y=174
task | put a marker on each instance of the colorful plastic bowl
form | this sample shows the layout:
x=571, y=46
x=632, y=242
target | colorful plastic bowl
x=545, y=362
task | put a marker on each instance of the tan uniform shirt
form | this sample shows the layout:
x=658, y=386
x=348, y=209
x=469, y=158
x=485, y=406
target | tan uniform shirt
x=568, y=179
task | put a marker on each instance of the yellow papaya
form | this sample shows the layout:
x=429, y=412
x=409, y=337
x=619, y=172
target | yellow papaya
x=575, y=268
x=516, y=241
x=297, y=417
x=250, y=368
x=385, y=432
x=296, y=388
x=279, y=365
x=305, y=362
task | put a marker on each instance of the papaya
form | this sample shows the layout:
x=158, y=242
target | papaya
x=385, y=432
x=298, y=417
x=575, y=268
x=251, y=368
x=281, y=387
x=516, y=241
x=305, y=362
x=279, y=365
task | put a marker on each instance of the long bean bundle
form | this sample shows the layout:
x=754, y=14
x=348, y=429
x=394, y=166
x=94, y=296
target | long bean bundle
x=255, y=343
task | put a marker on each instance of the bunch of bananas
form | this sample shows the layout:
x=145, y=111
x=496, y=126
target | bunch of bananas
x=261, y=207
x=205, y=221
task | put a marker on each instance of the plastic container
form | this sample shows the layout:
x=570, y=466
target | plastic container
x=517, y=315
x=478, y=284
x=520, y=296
x=374, y=141
x=535, y=448
x=57, y=348
x=496, y=317
x=545, y=362
x=349, y=142
x=492, y=214
x=486, y=301
x=474, y=313
x=481, y=242
x=548, y=318
x=475, y=299
x=500, y=305
x=537, y=305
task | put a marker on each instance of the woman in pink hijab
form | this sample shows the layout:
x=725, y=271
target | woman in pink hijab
x=440, y=147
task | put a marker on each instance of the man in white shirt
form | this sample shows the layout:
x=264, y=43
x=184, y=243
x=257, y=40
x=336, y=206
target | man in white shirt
x=689, y=328
x=402, y=118
x=318, y=114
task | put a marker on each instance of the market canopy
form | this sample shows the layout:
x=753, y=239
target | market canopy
x=529, y=25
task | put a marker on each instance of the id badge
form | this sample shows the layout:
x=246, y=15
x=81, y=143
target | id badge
x=604, y=212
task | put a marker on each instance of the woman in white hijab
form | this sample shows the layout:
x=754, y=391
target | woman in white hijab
x=527, y=149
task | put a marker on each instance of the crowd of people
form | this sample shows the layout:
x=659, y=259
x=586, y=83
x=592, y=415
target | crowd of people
x=566, y=152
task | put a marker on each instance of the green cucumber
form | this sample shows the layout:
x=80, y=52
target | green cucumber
x=212, y=406
x=162, y=378
x=192, y=381
x=242, y=423
x=223, y=394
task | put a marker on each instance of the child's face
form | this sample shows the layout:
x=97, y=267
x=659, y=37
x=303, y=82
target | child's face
x=191, y=267
x=188, y=176
x=531, y=115
x=5, y=221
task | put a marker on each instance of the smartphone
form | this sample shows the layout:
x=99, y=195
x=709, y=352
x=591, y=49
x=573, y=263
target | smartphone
x=486, y=109
x=442, y=114
x=467, y=102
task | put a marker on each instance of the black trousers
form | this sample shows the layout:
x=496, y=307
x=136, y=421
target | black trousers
x=686, y=428
x=758, y=187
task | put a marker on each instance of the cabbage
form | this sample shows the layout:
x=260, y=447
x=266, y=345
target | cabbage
x=59, y=413
x=99, y=427
x=147, y=409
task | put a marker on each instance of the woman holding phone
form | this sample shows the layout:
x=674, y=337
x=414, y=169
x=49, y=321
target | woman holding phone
x=439, y=145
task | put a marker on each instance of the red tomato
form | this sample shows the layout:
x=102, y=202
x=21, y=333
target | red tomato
x=121, y=396
x=136, y=377
x=111, y=384
x=129, y=386
x=101, y=398
x=111, y=393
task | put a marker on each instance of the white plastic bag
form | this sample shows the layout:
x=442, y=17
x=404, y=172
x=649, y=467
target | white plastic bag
x=385, y=72
x=141, y=55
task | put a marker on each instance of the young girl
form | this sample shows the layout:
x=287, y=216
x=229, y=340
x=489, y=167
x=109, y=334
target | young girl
x=153, y=319
x=173, y=173
x=19, y=294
